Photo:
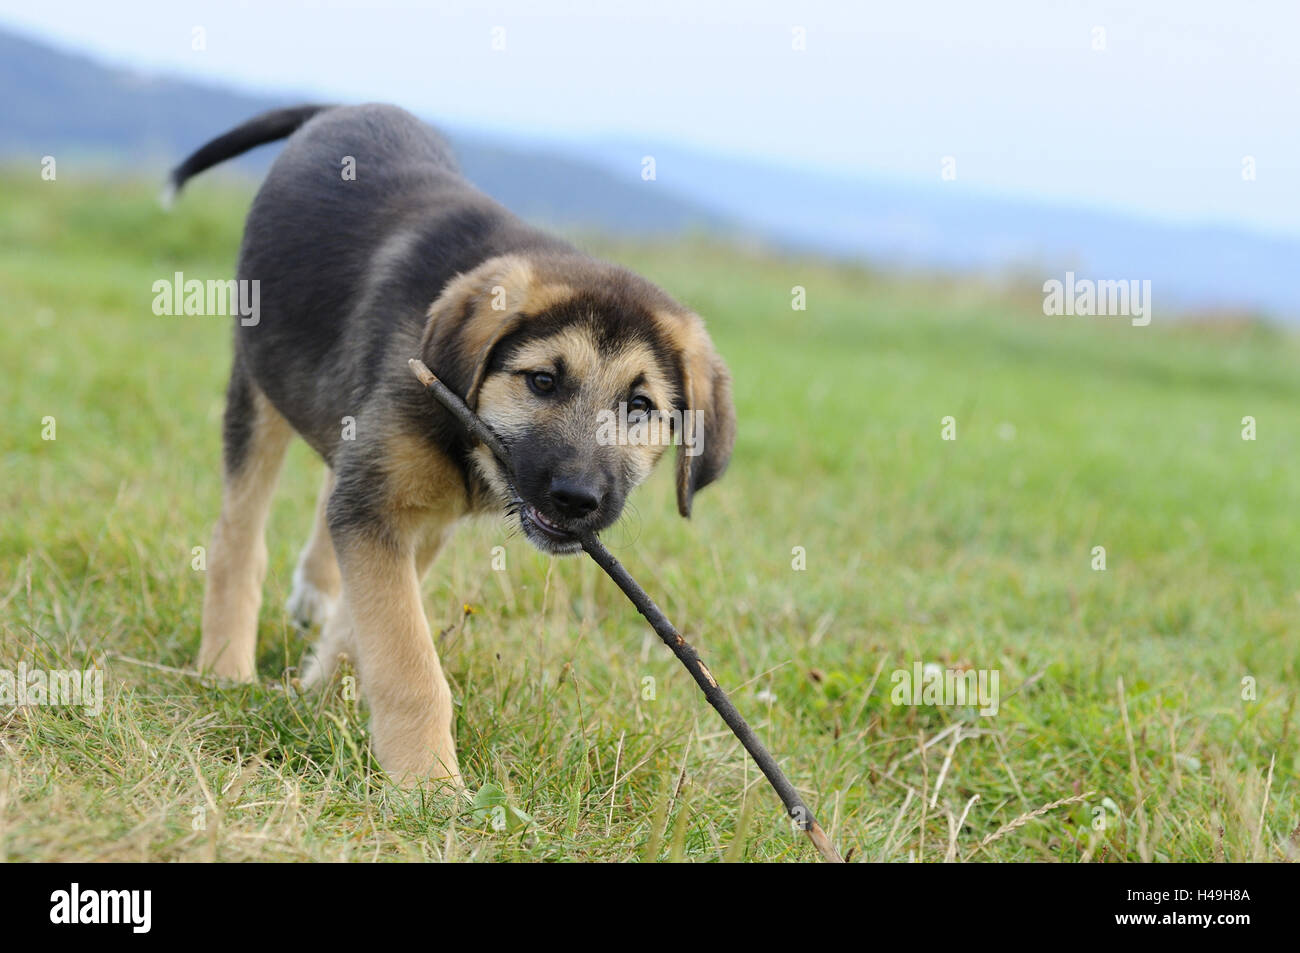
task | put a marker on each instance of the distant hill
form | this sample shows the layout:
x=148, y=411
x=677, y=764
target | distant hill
x=54, y=102
x=63, y=104
x=948, y=227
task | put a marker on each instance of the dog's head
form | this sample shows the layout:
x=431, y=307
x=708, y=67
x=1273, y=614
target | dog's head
x=587, y=373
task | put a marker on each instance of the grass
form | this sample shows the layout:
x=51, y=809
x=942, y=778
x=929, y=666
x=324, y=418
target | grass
x=1122, y=690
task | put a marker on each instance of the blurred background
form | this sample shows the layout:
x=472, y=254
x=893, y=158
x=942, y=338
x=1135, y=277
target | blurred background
x=1148, y=142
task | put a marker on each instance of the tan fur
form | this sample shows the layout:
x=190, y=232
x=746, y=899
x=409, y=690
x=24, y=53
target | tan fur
x=708, y=389
x=507, y=405
x=380, y=623
x=316, y=580
x=608, y=375
x=502, y=291
x=335, y=641
x=319, y=564
x=410, y=701
x=236, y=559
x=421, y=479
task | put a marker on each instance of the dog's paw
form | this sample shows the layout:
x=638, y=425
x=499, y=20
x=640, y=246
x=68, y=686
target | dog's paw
x=318, y=667
x=308, y=606
x=310, y=674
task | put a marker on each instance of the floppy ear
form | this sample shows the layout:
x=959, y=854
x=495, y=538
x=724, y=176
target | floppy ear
x=709, y=421
x=474, y=312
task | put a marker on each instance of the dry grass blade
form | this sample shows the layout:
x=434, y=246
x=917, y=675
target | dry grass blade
x=1024, y=819
x=1263, y=809
x=955, y=828
x=1144, y=851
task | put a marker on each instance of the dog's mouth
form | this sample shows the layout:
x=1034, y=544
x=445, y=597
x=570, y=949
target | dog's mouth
x=546, y=534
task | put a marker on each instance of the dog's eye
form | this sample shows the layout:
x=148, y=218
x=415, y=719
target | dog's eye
x=639, y=405
x=541, y=383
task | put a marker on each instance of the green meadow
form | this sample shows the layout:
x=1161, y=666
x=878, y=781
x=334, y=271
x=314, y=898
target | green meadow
x=1147, y=710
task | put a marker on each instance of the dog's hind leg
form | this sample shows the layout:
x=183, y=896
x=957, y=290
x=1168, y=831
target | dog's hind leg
x=316, y=579
x=255, y=439
x=336, y=640
x=336, y=633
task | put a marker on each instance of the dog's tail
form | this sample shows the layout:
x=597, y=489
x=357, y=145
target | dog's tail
x=268, y=127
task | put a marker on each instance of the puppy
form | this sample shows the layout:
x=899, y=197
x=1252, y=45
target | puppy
x=369, y=248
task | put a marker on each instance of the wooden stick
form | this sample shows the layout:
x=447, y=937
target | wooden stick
x=794, y=804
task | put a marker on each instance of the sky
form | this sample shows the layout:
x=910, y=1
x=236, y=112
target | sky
x=1153, y=108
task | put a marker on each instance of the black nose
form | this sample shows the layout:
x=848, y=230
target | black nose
x=572, y=499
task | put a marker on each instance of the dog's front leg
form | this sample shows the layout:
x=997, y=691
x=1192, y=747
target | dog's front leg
x=401, y=677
